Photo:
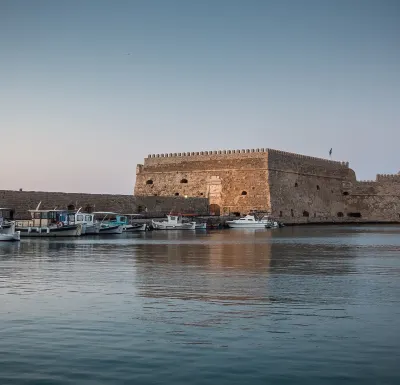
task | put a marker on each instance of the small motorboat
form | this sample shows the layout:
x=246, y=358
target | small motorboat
x=252, y=222
x=108, y=222
x=7, y=226
x=128, y=223
x=173, y=222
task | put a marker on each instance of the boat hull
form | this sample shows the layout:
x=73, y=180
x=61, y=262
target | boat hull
x=246, y=225
x=91, y=230
x=111, y=230
x=201, y=226
x=15, y=237
x=178, y=226
x=64, y=231
x=133, y=228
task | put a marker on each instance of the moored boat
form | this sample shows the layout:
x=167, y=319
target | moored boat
x=89, y=226
x=128, y=224
x=7, y=226
x=108, y=223
x=173, y=222
x=48, y=223
x=252, y=222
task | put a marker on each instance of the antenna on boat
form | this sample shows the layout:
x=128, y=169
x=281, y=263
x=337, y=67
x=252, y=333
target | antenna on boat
x=37, y=208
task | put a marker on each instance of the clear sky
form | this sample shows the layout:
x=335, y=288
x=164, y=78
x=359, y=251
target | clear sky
x=89, y=88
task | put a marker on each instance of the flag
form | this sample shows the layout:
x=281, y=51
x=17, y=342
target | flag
x=330, y=152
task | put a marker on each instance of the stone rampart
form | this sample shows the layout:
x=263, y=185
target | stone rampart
x=22, y=201
x=295, y=188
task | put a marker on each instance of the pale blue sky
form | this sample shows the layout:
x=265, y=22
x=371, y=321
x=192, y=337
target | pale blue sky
x=89, y=88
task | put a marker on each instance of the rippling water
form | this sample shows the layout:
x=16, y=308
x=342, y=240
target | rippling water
x=301, y=305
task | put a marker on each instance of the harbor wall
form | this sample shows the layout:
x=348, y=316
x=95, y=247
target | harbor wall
x=22, y=201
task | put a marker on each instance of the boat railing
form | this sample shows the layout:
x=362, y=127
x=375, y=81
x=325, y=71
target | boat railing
x=24, y=223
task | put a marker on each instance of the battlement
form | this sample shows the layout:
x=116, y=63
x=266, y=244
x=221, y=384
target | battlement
x=388, y=178
x=247, y=151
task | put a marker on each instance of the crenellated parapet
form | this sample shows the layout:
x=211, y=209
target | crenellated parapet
x=246, y=151
x=388, y=178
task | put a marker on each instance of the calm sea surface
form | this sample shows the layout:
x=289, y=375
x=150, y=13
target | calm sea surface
x=301, y=305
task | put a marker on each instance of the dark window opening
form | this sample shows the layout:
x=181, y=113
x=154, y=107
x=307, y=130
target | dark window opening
x=88, y=209
x=296, y=185
x=340, y=214
x=184, y=180
x=280, y=213
x=149, y=181
x=354, y=215
x=236, y=214
x=315, y=215
x=201, y=194
x=317, y=187
x=176, y=194
x=70, y=207
x=345, y=193
x=291, y=212
x=244, y=192
x=155, y=195
x=332, y=191
x=306, y=213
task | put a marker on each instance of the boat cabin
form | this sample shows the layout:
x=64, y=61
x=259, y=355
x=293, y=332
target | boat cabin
x=174, y=219
x=247, y=219
x=75, y=218
x=110, y=217
x=6, y=215
x=46, y=218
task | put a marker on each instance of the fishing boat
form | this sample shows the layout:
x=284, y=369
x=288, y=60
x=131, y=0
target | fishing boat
x=7, y=226
x=129, y=225
x=189, y=218
x=48, y=223
x=252, y=222
x=173, y=222
x=89, y=226
x=108, y=222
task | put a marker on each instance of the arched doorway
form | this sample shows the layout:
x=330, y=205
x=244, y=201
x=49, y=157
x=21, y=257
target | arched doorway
x=215, y=210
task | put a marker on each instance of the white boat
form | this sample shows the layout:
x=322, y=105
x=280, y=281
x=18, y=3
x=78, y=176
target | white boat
x=173, y=222
x=251, y=222
x=108, y=222
x=190, y=218
x=7, y=226
x=89, y=226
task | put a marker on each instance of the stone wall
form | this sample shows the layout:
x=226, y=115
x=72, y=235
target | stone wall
x=22, y=201
x=377, y=201
x=293, y=187
x=305, y=189
x=235, y=182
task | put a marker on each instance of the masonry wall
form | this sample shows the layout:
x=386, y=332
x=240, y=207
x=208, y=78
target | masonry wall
x=295, y=188
x=374, y=201
x=306, y=189
x=22, y=201
x=234, y=182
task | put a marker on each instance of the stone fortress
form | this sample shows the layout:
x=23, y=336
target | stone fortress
x=291, y=187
